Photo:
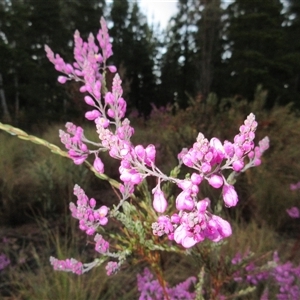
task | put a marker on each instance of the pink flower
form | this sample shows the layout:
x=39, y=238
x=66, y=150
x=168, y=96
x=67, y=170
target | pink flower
x=98, y=165
x=101, y=244
x=215, y=181
x=184, y=201
x=229, y=195
x=102, y=213
x=62, y=79
x=293, y=212
x=159, y=201
x=184, y=237
x=68, y=265
x=112, y=268
x=295, y=186
x=92, y=115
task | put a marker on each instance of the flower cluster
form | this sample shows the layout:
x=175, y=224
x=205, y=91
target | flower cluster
x=191, y=220
x=150, y=288
x=284, y=275
x=253, y=274
x=68, y=265
x=72, y=265
x=190, y=228
x=89, y=217
x=287, y=278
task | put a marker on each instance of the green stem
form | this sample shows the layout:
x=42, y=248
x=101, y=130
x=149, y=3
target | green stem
x=55, y=149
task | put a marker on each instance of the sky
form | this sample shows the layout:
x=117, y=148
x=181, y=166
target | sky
x=158, y=11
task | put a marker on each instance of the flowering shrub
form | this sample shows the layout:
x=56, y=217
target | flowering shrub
x=171, y=215
x=184, y=219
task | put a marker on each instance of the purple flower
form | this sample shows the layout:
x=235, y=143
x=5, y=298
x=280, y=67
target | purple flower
x=215, y=181
x=229, y=195
x=151, y=289
x=295, y=186
x=98, y=165
x=4, y=261
x=101, y=244
x=293, y=212
x=159, y=201
x=89, y=217
x=112, y=268
x=68, y=265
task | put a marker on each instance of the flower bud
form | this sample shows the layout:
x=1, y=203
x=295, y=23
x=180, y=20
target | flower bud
x=150, y=153
x=98, y=165
x=238, y=165
x=215, y=181
x=229, y=195
x=92, y=115
x=159, y=201
x=88, y=100
x=196, y=178
x=112, y=69
x=62, y=79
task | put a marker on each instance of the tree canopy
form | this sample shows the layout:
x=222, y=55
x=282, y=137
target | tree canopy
x=206, y=47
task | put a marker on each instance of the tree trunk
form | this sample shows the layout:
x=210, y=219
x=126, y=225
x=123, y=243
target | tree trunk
x=6, y=114
x=209, y=35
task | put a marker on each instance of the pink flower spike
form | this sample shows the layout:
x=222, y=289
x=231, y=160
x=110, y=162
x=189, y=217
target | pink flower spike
x=98, y=165
x=229, y=195
x=215, y=181
x=293, y=212
x=159, y=201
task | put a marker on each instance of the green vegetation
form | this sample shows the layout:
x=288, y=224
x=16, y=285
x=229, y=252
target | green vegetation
x=36, y=187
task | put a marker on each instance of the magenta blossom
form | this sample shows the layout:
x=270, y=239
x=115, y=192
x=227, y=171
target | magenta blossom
x=89, y=217
x=293, y=212
x=295, y=186
x=159, y=201
x=229, y=195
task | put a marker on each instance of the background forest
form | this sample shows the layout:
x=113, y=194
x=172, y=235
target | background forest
x=209, y=46
x=216, y=62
